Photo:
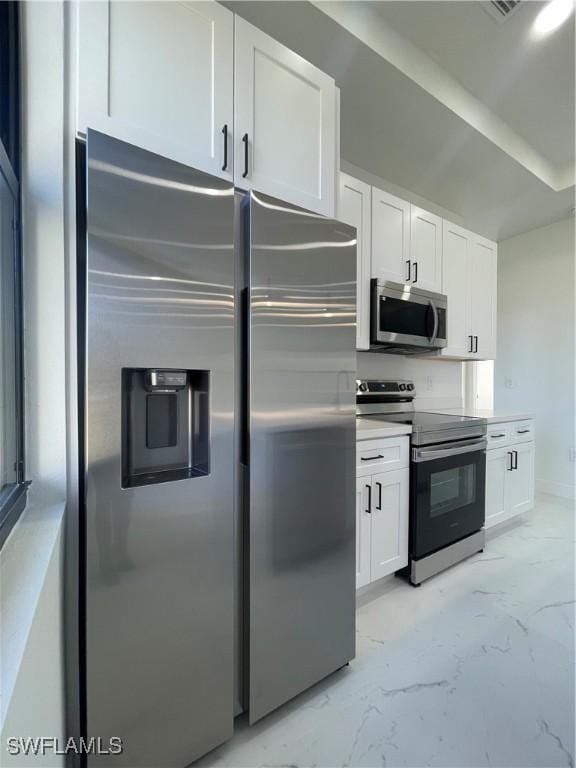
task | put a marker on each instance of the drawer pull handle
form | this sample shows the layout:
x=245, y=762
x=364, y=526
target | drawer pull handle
x=502, y=435
x=371, y=458
x=522, y=431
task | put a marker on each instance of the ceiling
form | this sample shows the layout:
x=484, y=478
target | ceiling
x=524, y=81
x=424, y=103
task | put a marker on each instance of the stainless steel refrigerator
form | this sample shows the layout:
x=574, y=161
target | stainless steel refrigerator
x=215, y=544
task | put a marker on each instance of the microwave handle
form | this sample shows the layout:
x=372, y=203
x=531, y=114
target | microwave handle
x=435, y=331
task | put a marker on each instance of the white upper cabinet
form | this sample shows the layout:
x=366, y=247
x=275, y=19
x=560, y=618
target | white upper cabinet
x=425, y=249
x=285, y=127
x=483, y=297
x=469, y=280
x=354, y=202
x=455, y=282
x=406, y=242
x=390, y=237
x=159, y=75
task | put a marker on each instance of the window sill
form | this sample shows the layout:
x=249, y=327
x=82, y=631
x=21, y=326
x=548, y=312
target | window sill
x=24, y=562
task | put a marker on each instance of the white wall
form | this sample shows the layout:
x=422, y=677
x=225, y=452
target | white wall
x=534, y=370
x=31, y=559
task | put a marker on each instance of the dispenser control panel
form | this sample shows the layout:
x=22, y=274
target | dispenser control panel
x=166, y=380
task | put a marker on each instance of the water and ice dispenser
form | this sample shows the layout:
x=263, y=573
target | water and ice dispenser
x=165, y=425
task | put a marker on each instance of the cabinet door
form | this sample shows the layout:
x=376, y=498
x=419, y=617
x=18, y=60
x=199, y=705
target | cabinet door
x=390, y=237
x=497, y=471
x=354, y=201
x=285, y=122
x=483, y=297
x=363, y=524
x=520, y=481
x=456, y=286
x=159, y=75
x=389, y=545
x=425, y=249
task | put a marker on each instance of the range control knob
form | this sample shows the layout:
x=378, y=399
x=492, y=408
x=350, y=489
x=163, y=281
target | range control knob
x=402, y=387
x=410, y=387
x=363, y=386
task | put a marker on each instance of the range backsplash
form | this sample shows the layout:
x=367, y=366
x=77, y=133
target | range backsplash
x=439, y=383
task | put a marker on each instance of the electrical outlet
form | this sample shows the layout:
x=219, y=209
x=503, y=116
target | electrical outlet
x=508, y=383
x=429, y=383
x=572, y=454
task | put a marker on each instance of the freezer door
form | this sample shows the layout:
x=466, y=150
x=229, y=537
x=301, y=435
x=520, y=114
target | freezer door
x=158, y=525
x=301, y=510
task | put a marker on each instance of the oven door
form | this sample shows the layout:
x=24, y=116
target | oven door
x=447, y=494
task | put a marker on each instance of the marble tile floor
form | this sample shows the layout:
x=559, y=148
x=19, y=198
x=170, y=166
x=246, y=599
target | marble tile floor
x=474, y=668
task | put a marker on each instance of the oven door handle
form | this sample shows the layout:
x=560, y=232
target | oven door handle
x=429, y=453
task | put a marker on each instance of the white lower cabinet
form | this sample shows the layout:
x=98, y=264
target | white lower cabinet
x=363, y=535
x=497, y=462
x=520, y=486
x=509, y=474
x=389, y=534
x=381, y=509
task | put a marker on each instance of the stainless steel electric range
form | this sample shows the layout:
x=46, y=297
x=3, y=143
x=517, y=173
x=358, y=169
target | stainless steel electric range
x=447, y=476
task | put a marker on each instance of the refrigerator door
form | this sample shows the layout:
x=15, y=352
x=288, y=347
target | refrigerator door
x=301, y=396
x=158, y=525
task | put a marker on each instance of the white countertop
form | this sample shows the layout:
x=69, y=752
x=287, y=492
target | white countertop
x=491, y=416
x=367, y=428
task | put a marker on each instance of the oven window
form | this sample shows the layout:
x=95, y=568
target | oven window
x=451, y=489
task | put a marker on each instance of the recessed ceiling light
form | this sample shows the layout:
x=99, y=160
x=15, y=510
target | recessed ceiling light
x=554, y=13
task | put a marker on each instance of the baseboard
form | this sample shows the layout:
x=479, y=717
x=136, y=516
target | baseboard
x=564, y=490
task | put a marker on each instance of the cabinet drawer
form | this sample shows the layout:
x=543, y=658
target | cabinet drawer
x=522, y=431
x=498, y=435
x=382, y=455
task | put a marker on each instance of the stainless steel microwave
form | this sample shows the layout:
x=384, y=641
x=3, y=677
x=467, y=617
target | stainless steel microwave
x=405, y=319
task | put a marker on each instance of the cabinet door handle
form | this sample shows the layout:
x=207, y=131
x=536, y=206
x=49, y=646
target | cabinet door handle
x=415, y=272
x=476, y=345
x=371, y=458
x=369, y=510
x=515, y=459
x=225, y=133
x=379, y=504
x=409, y=271
x=510, y=467
x=245, y=140
x=471, y=347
